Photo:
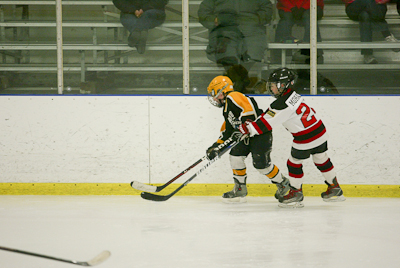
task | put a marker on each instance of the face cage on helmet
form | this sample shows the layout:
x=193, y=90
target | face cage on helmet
x=278, y=85
x=213, y=98
x=214, y=102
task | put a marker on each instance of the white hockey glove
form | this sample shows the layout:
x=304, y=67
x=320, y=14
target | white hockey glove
x=247, y=129
x=244, y=128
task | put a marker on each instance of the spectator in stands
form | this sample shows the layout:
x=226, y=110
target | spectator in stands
x=398, y=6
x=237, y=32
x=298, y=12
x=239, y=77
x=397, y=2
x=371, y=15
x=139, y=16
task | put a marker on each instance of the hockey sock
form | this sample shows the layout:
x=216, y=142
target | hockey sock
x=240, y=175
x=295, y=168
x=296, y=174
x=324, y=164
x=273, y=173
x=238, y=168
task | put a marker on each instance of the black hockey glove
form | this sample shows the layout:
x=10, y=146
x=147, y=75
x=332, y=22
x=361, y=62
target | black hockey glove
x=212, y=151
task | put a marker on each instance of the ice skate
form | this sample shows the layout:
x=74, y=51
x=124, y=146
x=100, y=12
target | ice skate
x=293, y=199
x=334, y=193
x=237, y=195
x=283, y=187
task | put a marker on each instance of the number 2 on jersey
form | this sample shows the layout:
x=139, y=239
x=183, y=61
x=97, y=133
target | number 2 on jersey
x=307, y=119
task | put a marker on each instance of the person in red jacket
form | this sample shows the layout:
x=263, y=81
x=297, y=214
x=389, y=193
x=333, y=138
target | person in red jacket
x=371, y=15
x=297, y=12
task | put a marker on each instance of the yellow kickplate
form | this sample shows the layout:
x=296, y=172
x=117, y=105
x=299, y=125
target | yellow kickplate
x=67, y=189
x=190, y=190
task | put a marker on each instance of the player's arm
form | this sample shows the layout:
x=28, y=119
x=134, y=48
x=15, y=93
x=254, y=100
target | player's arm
x=266, y=121
x=243, y=108
x=212, y=151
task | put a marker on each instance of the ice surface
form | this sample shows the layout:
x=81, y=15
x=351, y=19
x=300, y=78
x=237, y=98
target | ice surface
x=199, y=232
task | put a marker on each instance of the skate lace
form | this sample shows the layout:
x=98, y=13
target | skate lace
x=331, y=187
x=291, y=193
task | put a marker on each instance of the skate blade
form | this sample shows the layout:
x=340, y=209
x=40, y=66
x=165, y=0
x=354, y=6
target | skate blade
x=291, y=205
x=335, y=199
x=235, y=200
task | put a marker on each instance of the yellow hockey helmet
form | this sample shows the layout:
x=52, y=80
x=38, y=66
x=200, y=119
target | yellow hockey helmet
x=219, y=85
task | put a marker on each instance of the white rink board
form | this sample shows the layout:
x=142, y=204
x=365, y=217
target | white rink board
x=72, y=139
x=116, y=139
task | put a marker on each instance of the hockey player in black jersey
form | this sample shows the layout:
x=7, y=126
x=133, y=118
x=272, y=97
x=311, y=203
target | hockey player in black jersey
x=309, y=137
x=237, y=109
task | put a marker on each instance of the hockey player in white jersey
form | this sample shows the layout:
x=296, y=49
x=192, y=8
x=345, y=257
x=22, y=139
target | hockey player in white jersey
x=237, y=108
x=309, y=137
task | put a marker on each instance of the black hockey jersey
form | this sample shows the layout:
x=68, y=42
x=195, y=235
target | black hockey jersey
x=237, y=109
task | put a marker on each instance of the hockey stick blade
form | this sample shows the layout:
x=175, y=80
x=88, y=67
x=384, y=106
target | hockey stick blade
x=232, y=142
x=154, y=197
x=99, y=258
x=159, y=198
x=95, y=261
x=143, y=187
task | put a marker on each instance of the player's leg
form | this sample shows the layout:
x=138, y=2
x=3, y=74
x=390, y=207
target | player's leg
x=295, y=167
x=237, y=158
x=321, y=160
x=239, y=191
x=260, y=147
x=295, y=196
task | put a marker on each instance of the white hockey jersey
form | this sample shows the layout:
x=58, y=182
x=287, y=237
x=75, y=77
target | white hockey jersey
x=296, y=116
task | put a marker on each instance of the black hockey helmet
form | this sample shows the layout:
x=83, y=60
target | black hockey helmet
x=283, y=78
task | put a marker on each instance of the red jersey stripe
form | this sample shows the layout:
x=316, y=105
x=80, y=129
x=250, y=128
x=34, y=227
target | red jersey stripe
x=306, y=131
x=258, y=129
x=265, y=122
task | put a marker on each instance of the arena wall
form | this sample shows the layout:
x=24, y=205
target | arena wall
x=116, y=139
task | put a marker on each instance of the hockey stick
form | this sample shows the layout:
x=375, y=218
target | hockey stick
x=150, y=188
x=96, y=260
x=224, y=147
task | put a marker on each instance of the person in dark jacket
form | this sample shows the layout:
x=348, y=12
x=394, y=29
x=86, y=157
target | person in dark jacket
x=237, y=32
x=139, y=16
